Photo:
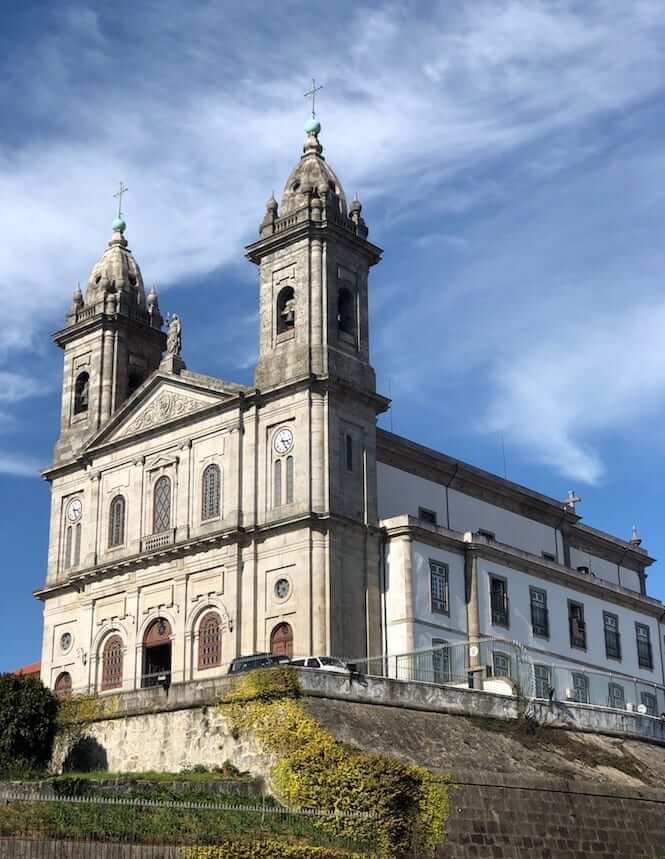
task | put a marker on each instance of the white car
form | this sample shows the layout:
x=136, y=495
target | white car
x=323, y=663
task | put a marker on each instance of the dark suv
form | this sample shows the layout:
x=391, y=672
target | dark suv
x=256, y=660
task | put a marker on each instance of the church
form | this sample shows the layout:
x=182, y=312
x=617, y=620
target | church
x=195, y=519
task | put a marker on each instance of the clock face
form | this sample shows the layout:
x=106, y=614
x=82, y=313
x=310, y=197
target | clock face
x=282, y=589
x=74, y=510
x=283, y=441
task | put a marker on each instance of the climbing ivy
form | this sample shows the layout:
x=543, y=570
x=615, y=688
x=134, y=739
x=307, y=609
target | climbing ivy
x=408, y=804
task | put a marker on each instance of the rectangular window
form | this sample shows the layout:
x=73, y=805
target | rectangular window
x=615, y=696
x=349, y=453
x=581, y=688
x=440, y=661
x=68, y=546
x=644, y=652
x=543, y=677
x=576, y=624
x=648, y=700
x=277, y=483
x=428, y=516
x=289, y=480
x=501, y=664
x=540, y=624
x=499, y=601
x=612, y=637
x=77, y=545
x=439, y=587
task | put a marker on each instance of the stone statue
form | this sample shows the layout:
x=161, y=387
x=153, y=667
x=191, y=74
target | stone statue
x=174, y=339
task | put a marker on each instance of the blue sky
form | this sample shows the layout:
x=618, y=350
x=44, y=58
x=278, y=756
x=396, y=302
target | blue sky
x=510, y=157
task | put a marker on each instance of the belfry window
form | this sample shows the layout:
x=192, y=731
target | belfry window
x=289, y=480
x=277, y=483
x=81, y=393
x=161, y=513
x=346, y=315
x=117, y=521
x=210, y=488
x=286, y=310
x=72, y=546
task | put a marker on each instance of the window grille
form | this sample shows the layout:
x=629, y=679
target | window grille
x=616, y=697
x=439, y=587
x=539, y=613
x=543, y=677
x=440, y=661
x=211, y=490
x=289, y=480
x=612, y=637
x=499, y=601
x=210, y=641
x=648, y=699
x=501, y=664
x=581, y=688
x=644, y=652
x=112, y=663
x=117, y=521
x=161, y=514
x=576, y=625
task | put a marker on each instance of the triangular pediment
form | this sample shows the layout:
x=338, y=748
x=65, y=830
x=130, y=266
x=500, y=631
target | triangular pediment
x=161, y=401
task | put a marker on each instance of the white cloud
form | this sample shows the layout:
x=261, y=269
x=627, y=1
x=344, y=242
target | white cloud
x=198, y=113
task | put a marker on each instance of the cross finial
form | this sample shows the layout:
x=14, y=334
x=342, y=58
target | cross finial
x=312, y=92
x=122, y=190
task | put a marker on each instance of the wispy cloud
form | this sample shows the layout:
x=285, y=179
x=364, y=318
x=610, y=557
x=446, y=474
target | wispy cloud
x=440, y=114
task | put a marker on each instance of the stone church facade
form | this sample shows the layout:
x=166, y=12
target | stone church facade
x=194, y=519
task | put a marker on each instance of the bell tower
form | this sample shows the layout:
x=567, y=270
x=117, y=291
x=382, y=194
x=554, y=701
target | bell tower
x=314, y=260
x=112, y=340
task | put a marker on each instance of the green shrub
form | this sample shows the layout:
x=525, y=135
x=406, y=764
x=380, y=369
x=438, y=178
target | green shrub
x=264, y=850
x=315, y=770
x=28, y=712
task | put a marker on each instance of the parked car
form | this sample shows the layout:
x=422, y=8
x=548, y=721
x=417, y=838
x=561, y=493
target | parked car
x=256, y=660
x=323, y=663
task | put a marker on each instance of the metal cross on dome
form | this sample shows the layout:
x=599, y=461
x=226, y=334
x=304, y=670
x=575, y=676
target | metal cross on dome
x=122, y=190
x=312, y=92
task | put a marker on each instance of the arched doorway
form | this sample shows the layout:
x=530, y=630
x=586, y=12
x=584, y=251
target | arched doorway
x=157, y=654
x=281, y=640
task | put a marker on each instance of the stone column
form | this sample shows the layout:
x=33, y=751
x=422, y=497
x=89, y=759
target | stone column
x=319, y=618
x=183, y=491
x=406, y=545
x=318, y=453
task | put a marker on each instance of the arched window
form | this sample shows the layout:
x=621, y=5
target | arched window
x=157, y=653
x=277, y=483
x=346, y=314
x=81, y=393
x=286, y=310
x=112, y=663
x=63, y=685
x=281, y=640
x=210, y=641
x=211, y=492
x=161, y=511
x=289, y=480
x=117, y=521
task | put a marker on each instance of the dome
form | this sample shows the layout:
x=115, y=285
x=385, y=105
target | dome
x=312, y=174
x=116, y=271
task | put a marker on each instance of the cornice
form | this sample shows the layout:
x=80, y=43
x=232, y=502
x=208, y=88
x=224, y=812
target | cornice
x=517, y=559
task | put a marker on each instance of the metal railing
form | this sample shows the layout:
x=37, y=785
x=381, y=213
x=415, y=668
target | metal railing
x=111, y=823
x=605, y=689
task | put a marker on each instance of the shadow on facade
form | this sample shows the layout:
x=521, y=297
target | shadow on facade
x=86, y=755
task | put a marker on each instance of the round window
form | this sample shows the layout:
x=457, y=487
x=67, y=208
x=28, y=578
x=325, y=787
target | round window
x=65, y=641
x=282, y=589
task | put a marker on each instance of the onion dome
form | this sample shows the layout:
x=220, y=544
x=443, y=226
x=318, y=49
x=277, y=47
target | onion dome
x=116, y=271
x=312, y=177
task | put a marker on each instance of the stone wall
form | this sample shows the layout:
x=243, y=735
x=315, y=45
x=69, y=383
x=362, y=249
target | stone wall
x=502, y=817
x=23, y=848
